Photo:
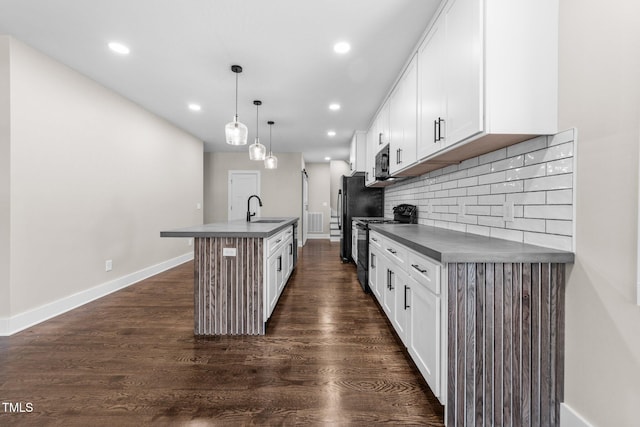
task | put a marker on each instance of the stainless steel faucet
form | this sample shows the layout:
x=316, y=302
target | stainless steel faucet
x=249, y=214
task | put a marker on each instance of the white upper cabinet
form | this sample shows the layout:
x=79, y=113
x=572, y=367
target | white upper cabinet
x=403, y=116
x=463, y=59
x=370, y=158
x=432, y=106
x=358, y=153
x=487, y=78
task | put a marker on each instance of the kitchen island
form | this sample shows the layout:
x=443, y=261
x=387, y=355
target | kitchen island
x=240, y=270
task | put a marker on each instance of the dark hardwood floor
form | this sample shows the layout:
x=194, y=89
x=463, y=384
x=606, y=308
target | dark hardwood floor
x=329, y=358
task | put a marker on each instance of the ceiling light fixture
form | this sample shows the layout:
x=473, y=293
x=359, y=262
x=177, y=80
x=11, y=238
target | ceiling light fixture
x=257, y=151
x=119, y=48
x=334, y=107
x=236, y=132
x=341, y=47
x=331, y=133
x=195, y=107
x=327, y=158
x=271, y=161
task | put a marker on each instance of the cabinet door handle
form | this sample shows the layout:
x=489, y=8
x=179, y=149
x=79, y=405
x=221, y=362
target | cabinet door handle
x=280, y=263
x=435, y=131
x=380, y=138
x=405, y=297
x=440, y=121
x=399, y=155
x=373, y=260
x=392, y=251
x=391, y=287
x=290, y=248
x=417, y=267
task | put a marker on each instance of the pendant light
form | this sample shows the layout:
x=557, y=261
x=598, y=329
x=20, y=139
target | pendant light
x=271, y=161
x=257, y=151
x=236, y=132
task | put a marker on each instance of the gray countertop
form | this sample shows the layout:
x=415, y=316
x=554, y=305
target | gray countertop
x=240, y=228
x=453, y=246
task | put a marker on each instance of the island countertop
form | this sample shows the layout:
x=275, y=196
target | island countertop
x=239, y=228
x=454, y=246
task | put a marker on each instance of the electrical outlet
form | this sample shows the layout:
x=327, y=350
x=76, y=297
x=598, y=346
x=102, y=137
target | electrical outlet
x=198, y=206
x=507, y=211
x=108, y=265
x=462, y=210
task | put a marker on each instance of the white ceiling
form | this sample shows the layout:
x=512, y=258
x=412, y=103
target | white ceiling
x=182, y=51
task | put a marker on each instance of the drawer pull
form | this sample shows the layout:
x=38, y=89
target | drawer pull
x=392, y=251
x=417, y=267
x=374, y=239
x=278, y=241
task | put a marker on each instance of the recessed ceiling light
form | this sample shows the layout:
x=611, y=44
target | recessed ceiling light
x=341, y=47
x=331, y=133
x=327, y=158
x=334, y=107
x=195, y=107
x=119, y=48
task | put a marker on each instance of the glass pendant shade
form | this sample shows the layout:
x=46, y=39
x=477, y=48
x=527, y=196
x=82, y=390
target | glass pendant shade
x=236, y=132
x=257, y=151
x=271, y=162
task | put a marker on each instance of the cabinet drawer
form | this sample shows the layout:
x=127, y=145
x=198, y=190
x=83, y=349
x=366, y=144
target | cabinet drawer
x=375, y=239
x=424, y=271
x=395, y=252
x=276, y=241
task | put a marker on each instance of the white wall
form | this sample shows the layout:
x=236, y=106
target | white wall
x=320, y=192
x=600, y=96
x=4, y=180
x=281, y=188
x=93, y=177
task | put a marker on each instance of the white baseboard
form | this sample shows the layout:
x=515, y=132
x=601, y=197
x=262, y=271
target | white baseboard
x=335, y=239
x=570, y=418
x=22, y=321
x=317, y=236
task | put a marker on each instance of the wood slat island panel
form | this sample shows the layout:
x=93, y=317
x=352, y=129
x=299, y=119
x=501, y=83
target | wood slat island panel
x=505, y=344
x=228, y=290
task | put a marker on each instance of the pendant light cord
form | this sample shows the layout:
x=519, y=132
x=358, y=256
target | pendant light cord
x=257, y=127
x=270, y=126
x=236, y=96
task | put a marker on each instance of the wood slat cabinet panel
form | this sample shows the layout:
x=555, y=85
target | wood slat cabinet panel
x=505, y=344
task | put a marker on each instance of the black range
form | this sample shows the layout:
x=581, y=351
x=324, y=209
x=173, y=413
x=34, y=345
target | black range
x=402, y=214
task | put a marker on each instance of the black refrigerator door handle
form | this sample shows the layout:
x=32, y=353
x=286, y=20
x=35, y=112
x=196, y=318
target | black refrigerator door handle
x=339, y=209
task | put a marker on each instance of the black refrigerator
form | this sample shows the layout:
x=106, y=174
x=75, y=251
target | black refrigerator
x=355, y=199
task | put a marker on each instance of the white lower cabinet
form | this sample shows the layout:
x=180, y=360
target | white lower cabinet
x=407, y=287
x=423, y=333
x=374, y=273
x=279, y=265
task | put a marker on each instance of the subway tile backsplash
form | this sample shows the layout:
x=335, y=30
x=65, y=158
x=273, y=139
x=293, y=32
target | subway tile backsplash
x=536, y=176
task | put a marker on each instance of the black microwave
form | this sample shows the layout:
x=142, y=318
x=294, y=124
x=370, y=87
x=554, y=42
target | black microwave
x=382, y=164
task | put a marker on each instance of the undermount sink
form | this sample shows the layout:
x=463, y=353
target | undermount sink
x=267, y=221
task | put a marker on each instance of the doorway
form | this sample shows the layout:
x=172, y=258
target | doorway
x=305, y=206
x=242, y=184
